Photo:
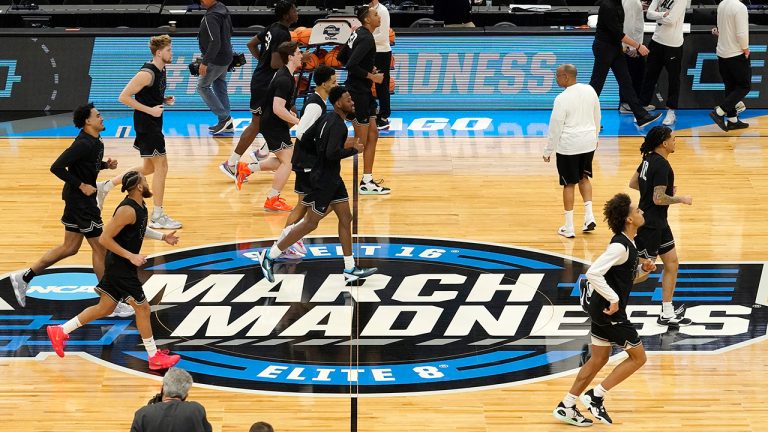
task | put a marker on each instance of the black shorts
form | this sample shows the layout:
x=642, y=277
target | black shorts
x=573, y=168
x=365, y=105
x=321, y=199
x=150, y=144
x=277, y=138
x=122, y=286
x=303, y=182
x=83, y=219
x=258, y=94
x=622, y=334
x=652, y=242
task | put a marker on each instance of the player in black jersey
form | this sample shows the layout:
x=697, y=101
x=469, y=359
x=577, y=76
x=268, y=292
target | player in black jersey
x=655, y=180
x=276, y=123
x=604, y=296
x=145, y=93
x=304, y=151
x=263, y=47
x=328, y=190
x=123, y=237
x=362, y=75
x=78, y=167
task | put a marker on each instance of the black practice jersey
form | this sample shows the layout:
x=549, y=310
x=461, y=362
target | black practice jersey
x=655, y=171
x=282, y=85
x=305, y=152
x=330, y=151
x=151, y=96
x=620, y=278
x=131, y=237
x=80, y=163
x=362, y=56
x=271, y=38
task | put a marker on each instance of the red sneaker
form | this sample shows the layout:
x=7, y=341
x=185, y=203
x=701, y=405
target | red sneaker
x=58, y=339
x=277, y=204
x=242, y=174
x=163, y=360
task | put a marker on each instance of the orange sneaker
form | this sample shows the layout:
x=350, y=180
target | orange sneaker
x=58, y=339
x=163, y=359
x=277, y=204
x=242, y=174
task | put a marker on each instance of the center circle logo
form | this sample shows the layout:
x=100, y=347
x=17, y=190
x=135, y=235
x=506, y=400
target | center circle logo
x=439, y=315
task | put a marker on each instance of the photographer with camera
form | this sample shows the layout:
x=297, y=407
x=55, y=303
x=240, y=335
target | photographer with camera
x=215, y=40
x=169, y=410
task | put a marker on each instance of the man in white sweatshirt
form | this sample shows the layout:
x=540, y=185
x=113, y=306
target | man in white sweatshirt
x=573, y=130
x=383, y=62
x=733, y=61
x=666, y=52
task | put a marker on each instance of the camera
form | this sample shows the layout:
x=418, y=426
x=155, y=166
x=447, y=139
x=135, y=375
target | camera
x=238, y=60
x=156, y=399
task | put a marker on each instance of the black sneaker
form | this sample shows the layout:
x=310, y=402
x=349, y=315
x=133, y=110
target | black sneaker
x=358, y=273
x=648, y=119
x=676, y=321
x=267, y=264
x=718, y=119
x=595, y=406
x=571, y=416
x=738, y=124
x=223, y=126
x=382, y=123
x=373, y=188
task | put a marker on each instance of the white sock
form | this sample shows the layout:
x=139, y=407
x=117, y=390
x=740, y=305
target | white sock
x=569, y=220
x=234, y=158
x=667, y=310
x=600, y=391
x=71, y=325
x=367, y=178
x=349, y=262
x=273, y=193
x=588, y=216
x=157, y=211
x=149, y=345
x=274, y=251
x=108, y=186
x=570, y=400
x=719, y=111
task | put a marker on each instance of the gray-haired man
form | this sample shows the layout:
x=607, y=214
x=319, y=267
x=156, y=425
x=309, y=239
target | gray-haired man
x=170, y=410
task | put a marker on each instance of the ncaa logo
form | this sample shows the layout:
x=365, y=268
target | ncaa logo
x=440, y=315
x=331, y=31
x=63, y=286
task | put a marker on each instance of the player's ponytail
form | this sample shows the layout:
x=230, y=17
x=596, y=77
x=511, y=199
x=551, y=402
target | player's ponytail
x=656, y=136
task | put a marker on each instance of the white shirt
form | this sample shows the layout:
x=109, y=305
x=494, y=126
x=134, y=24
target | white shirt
x=575, y=121
x=670, y=31
x=311, y=114
x=633, y=21
x=615, y=255
x=733, y=25
x=381, y=34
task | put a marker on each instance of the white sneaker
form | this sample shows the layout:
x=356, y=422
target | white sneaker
x=625, y=109
x=229, y=171
x=122, y=310
x=164, y=222
x=19, y=287
x=589, y=225
x=300, y=248
x=650, y=108
x=373, y=188
x=670, y=118
x=740, y=107
x=101, y=193
x=566, y=232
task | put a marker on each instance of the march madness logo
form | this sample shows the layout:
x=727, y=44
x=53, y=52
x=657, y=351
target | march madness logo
x=439, y=315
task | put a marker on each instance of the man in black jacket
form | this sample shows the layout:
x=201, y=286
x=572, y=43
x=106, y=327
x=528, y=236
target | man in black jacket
x=172, y=412
x=78, y=167
x=215, y=40
x=607, y=48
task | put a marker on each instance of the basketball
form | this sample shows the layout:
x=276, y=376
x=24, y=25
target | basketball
x=391, y=36
x=312, y=62
x=302, y=35
x=391, y=86
x=330, y=58
x=321, y=53
x=294, y=36
x=302, y=84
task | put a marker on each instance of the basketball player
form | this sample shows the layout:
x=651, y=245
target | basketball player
x=145, y=93
x=604, y=297
x=276, y=123
x=609, y=36
x=383, y=63
x=573, y=131
x=666, y=51
x=362, y=75
x=655, y=180
x=78, y=166
x=732, y=33
x=123, y=237
x=328, y=189
x=264, y=47
x=304, y=151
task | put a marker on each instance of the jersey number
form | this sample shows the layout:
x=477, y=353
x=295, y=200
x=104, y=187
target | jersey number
x=268, y=40
x=351, y=40
x=644, y=171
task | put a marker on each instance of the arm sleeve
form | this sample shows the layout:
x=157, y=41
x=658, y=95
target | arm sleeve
x=59, y=167
x=214, y=31
x=361, y=47
x=556, y=121
x=677, y=13
x=335, y=150
x=311, y=114
x=616, y=254
x=742, y=27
